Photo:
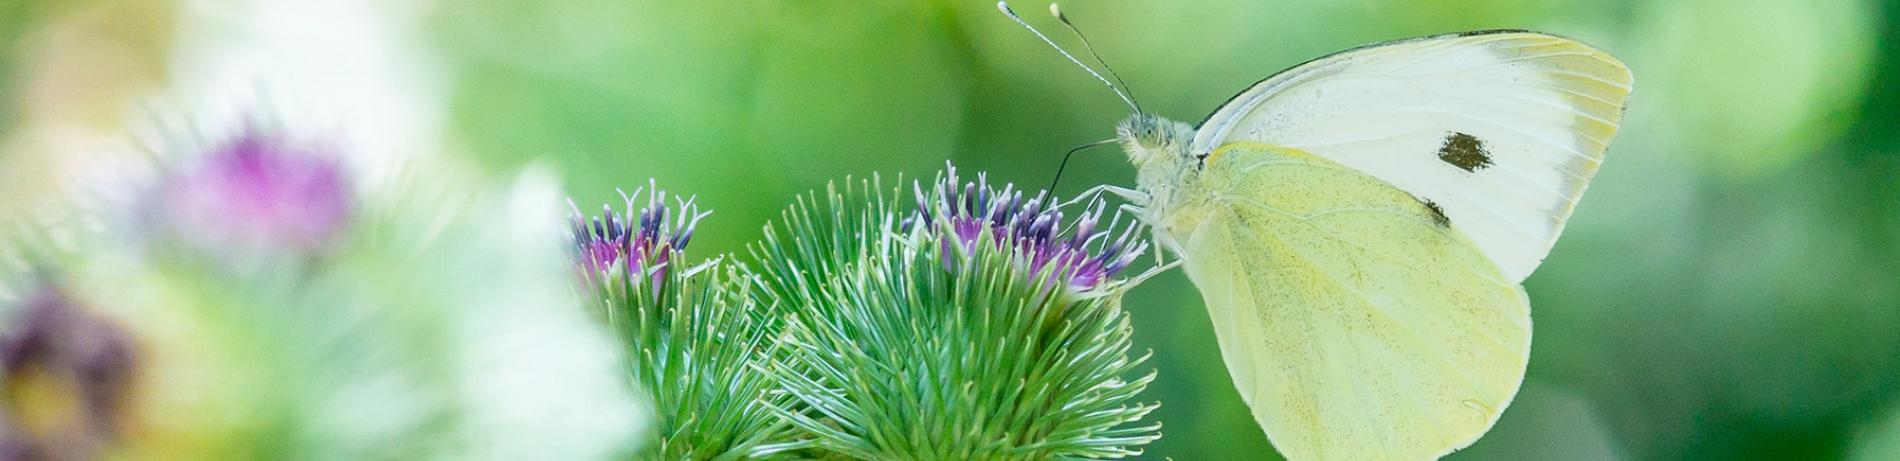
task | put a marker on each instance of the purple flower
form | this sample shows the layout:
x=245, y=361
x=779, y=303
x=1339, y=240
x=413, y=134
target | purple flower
x=257, y=192
x=637, y=243
x=1032, y=230
x=54, y=347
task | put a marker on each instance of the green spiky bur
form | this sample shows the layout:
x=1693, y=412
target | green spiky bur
x=692, y=334
x=695, y=350
x=899, y=349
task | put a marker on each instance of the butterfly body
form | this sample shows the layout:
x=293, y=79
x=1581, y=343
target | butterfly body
x=1164, y=171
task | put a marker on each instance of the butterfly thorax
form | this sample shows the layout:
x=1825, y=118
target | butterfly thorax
x=1165, y=170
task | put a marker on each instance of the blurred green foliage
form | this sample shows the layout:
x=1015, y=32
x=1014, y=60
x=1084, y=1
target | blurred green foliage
x=1726, y=291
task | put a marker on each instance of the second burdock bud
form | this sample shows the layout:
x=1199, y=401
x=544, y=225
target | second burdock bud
x=693, y=334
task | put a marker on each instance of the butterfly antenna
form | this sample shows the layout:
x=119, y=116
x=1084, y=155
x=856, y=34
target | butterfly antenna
x=1065, y=161
x=1055, y=10
x=1004, y=7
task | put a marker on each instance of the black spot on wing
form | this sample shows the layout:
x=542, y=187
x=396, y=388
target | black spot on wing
x=1438, y=213
x=1464, y=151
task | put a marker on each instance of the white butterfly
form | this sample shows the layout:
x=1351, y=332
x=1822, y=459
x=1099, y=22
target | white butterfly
x=1359, y=226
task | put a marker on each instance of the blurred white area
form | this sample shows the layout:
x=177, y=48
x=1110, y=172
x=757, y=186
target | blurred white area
x=104, y=83
x=353, y=72
x=541, y=381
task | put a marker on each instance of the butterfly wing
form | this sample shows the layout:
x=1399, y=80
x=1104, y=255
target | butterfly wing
x=1501, y=129
x=1355, y=323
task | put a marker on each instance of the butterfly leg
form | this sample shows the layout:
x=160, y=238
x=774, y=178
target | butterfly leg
x=1154, y=240
x=1161, y=264
x=1153, y=271
x=1131, y=195
x=1159, y=248
x=1090, y=194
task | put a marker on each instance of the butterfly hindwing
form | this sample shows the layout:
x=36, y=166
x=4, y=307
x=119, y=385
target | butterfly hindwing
x=1502, y=130
x=1354, y=323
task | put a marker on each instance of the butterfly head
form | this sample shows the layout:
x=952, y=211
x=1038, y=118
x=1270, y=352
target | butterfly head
x=1146, y=137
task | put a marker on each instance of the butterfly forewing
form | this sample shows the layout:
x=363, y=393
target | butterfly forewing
x=1500, y=130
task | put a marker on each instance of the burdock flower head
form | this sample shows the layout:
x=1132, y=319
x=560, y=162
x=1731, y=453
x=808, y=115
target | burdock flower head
x=634, y=246
x=256, y=192
x=982, y=325
x=1083, y=256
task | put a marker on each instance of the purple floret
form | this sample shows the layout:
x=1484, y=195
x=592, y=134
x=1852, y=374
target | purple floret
x=605, y=242
x=1083, y=255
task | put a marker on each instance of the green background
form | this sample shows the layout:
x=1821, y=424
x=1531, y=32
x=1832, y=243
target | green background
x=1727, y=290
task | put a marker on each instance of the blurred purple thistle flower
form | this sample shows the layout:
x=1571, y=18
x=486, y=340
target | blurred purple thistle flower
x=52, y=338
x=257, y=192
x=1031, y=229
x=604, y=243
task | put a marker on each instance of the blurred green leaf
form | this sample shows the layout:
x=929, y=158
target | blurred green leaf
x=1753, y=85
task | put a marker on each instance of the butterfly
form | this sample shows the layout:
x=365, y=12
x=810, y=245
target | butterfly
x=1359, y=227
